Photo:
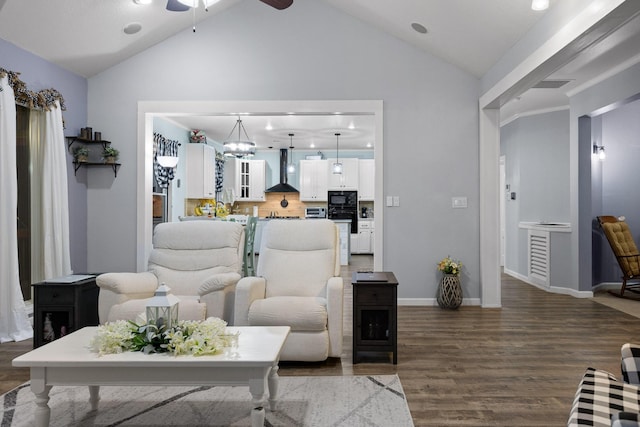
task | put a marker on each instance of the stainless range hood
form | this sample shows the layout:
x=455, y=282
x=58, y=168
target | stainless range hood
x=282, y=186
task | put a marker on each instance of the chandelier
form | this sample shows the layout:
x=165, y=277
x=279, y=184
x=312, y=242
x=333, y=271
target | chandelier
x=239, y=147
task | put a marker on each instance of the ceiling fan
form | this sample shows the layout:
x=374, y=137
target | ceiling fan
x=184, y=5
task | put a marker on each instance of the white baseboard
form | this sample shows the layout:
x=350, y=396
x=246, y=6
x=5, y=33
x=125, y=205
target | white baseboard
x=552, y=289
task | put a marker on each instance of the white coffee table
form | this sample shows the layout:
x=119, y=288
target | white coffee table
x=69, y=361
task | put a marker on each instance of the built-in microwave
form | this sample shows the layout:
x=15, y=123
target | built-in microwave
x=343, y=199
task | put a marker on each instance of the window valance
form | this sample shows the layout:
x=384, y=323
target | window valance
x=42, y=100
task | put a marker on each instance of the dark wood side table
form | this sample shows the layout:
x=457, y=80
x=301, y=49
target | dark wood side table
x=63, y=306
x=375, y=316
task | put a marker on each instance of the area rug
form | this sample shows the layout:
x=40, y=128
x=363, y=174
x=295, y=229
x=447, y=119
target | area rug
x=302, y=401
x=625, y=305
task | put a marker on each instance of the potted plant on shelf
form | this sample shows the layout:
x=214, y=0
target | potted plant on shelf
x=449, y=291
x=110, y=154
x=81, y=154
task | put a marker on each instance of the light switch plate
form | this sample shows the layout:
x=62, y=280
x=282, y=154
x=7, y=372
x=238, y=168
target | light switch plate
x=389, y=201
x=396, y=200
x=458, y=202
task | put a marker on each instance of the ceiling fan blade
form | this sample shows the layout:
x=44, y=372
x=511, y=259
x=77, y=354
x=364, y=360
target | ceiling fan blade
x=176, y=6
x=278, y=4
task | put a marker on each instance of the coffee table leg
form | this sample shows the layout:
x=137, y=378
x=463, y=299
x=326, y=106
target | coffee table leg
x=94, y=396
x=256, y=387
x=41, y=390
x=273, y=386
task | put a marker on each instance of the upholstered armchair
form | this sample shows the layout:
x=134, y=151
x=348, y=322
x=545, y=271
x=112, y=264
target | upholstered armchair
x=298, y=284
x=603, y=400
x=200, y=261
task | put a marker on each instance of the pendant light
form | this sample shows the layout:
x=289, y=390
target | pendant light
x=337, y=166
x=291, y=168
x=239, y=147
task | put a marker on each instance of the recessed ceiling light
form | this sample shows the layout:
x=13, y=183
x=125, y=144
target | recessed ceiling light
x=142, y=1
x=132, y=28
x=419, y=28
x=539, y=4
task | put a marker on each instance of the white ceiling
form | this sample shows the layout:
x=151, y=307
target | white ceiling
x=87, y=37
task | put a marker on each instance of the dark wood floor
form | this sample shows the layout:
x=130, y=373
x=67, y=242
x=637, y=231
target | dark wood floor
x=514, y=366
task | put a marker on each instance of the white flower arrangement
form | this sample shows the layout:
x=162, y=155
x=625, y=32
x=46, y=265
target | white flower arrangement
x=188, y=337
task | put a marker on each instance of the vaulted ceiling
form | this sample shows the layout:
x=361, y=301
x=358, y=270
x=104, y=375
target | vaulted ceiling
x=89, y=36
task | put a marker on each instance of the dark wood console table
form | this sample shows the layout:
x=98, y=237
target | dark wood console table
x=61, y=306
x=375, y=316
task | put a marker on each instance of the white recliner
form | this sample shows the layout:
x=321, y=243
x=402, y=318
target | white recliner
x=298, y=285
x=200, y=261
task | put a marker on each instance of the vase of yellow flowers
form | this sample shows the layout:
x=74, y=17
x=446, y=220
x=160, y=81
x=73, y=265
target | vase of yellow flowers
x=449, y=293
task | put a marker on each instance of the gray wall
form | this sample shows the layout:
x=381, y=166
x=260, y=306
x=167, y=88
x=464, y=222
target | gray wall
x=537, y=158
x=618, y=182
x=312, y=51
x=39, y=74
x=613, y=92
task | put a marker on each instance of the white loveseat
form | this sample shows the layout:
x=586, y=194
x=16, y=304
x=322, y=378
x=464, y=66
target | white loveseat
x=200, y=261
x=298, y=285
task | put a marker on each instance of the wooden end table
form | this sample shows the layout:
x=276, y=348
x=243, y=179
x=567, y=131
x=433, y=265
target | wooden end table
x=375, y=316
x=63, y=305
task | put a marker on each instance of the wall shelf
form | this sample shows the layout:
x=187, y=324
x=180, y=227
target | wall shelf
x=78, y=165
x=72, y=139
x=104, y=143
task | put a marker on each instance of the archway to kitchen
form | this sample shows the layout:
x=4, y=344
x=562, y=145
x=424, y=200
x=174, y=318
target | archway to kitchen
x=148, y=110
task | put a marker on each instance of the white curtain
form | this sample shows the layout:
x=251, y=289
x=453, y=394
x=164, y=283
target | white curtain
x=14, y=320
x=55, y=199
x=36, y=156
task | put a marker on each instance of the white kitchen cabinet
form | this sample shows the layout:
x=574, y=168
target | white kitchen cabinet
x=313, y=180
x=247, y=178
x=348, y=179
x=362, y=243
x=366, y=179
x=201, y=171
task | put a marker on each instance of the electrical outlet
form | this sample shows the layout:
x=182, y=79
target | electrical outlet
x=458, y=202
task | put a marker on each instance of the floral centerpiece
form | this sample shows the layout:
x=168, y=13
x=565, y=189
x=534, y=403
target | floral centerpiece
x=450, y=266
x=188, y=337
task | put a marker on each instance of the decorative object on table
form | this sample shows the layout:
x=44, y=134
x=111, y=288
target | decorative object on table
x=81, y=154
x=186, y=337
x=97, y=136
x=197, y=136
x=205, y=208
x=162, y=308
x=110, y=155
x=449, y=293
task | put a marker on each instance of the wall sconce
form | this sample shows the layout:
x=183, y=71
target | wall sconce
x=599, y=150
